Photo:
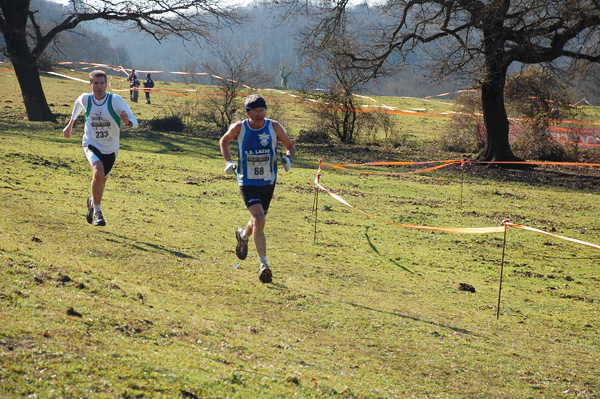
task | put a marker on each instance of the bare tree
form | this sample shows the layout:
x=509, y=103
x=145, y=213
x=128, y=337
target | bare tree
x=99, y=48
x=26, y=40
x=332, y=80
x=284, y=75
x=194, y=73
x=234, y=74
x=478, y=39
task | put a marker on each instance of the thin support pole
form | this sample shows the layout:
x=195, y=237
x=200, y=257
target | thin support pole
x=315, y=209
x=462, y=182
x=316, y=198
x=501, y=273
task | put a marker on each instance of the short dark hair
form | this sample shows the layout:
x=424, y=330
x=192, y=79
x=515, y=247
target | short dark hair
x=255, y=101
x=98, y=73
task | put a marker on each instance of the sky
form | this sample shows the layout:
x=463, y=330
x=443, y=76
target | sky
x=235, y=2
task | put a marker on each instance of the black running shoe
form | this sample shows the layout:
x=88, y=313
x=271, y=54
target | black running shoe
x=99, y=219
x=265, y=275
x=241, y=250
x=90, y=211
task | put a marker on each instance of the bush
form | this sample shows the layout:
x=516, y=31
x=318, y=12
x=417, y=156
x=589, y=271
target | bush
x=539, y=97
x=464, y=134
x=535, y=142
x=530, y=146
x=170, y=123
x=313, y=137
x=380, y=129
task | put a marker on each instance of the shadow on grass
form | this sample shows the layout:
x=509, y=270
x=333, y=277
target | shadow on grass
x=277, y=286
x=174, y=144
x=374, y=248
x=144, y=246
x=571, y=177
x=171, y=143
x=455, y=329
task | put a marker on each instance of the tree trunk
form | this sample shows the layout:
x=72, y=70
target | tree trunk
x=497, y=147
x=36, y=105
x=24, y=61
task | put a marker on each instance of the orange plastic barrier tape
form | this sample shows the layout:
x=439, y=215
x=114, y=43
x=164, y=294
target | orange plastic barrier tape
x=390, y=111
x=120, y=68
x=448, y=163
x=361, y=108
x=577, y=143
x=444, y=164
x=394, y=163
x=68, y=77
x=587, y=244
x=462, y=230
x=452, y=92
x=408, y=162
x=574, y=122
x=395, y=173
x=535, y=163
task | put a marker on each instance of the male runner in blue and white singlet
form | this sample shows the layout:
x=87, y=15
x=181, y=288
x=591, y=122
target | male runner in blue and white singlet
x=257, y=139
x=104, y=115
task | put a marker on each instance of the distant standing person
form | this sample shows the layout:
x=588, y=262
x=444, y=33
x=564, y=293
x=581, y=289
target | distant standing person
x=131, y=78
x=135, y=84
x=148, y=84
x=257, y=138
x=105, y=113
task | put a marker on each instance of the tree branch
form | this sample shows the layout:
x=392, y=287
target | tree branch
x=186, y=19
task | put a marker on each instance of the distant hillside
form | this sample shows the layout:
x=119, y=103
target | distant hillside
x=274, y=40
x=275, y=44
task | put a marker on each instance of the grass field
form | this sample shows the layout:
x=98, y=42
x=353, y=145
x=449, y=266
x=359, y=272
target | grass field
x=156, y=304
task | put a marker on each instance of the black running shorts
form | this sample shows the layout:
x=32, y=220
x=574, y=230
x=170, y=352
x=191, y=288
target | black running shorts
x=108, y=160
x=253, y=195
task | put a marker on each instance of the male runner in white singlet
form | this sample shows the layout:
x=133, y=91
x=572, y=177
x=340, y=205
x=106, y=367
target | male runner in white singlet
x=105, y=113
x=257, y=139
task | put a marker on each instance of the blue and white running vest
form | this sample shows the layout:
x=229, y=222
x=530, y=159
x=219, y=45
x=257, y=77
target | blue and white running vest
x=257, y=155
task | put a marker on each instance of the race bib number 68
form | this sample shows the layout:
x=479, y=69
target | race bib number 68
x=258, y=167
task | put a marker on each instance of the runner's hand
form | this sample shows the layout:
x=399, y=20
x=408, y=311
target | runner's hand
x=229, y=168
x=287, y=162
x=125, y=118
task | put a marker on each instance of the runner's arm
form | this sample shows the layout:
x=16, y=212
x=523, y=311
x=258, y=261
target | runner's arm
x=124, y=112
x=285, y=140
x=232, y=134
x=77, y=108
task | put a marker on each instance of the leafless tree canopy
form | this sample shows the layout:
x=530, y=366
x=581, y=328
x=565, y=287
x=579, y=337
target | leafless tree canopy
x=237, y=70
x=331, y=78
x=26, y=39
x=187, y=19
x=527, y=31
x=474, y=38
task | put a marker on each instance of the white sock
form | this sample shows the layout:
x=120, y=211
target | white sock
x=243, y=236
x=96, y=208
x=263, y=260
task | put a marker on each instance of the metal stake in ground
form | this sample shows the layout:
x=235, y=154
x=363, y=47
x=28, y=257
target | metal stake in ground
x=316, y=198
x=315, y=210
x=501, y=270
x=462, y=179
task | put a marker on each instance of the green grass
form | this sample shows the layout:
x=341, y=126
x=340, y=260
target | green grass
x=369, y=310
